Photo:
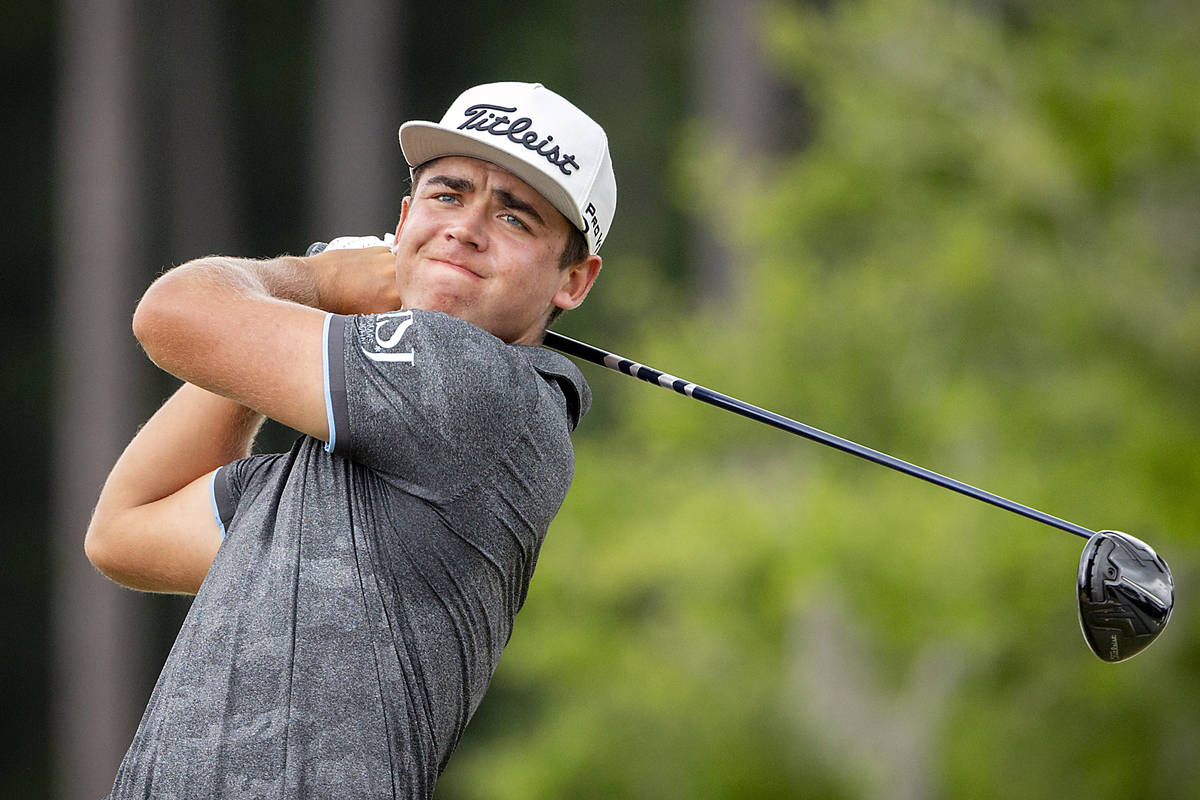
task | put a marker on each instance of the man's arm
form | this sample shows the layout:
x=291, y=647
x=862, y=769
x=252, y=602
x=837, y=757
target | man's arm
x=252, y=330
x=247, y=336
x=153, y=527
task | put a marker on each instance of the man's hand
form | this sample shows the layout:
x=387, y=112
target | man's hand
x=355, y=280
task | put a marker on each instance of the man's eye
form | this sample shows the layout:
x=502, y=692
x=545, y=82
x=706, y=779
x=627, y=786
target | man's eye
x=444, y=197
x=514, y=220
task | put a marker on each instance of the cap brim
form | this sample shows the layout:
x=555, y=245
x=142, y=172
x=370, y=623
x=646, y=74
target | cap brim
x=425, y=141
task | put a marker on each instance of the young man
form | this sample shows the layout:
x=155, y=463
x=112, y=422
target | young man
x=355, y=593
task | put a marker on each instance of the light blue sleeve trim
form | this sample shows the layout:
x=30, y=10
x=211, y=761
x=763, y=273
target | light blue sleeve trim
x=212, y=496
x=325, y=371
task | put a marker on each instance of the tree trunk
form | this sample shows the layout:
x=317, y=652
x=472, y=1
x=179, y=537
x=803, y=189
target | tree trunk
x=96, y=643
x=734, y=97
x=357, y=170
x=202, y=201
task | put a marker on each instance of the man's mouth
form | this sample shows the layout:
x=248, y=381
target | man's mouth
x=454, y=265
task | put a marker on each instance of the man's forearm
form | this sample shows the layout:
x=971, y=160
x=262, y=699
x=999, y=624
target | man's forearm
x=183, y=303
x=153, y=527
x=242, y=328
x=193, y=433
x=285, y=278
x=246, y=330
x=342, y=281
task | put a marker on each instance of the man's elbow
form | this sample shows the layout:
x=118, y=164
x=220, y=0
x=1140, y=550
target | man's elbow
x=99, y=548
x=173, y=324
x=142, y=320
x=109, y=552
x=156, y=313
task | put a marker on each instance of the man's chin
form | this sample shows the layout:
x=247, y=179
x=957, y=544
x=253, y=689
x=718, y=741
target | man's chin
x=454, y=307
x=438, y=298
x=468, y=310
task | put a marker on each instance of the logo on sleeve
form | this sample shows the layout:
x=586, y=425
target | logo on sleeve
x=389, y=335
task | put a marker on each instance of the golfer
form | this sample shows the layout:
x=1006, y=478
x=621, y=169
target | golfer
x=353, y=595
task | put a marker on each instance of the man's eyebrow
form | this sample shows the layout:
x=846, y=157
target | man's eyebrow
x=510, y=200
x=505, y=197
x=463, y=185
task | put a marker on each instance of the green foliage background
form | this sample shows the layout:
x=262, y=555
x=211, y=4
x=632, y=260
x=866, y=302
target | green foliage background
x=986, y=262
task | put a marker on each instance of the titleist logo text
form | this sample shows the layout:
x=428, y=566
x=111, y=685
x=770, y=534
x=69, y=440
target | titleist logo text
x=495, y=120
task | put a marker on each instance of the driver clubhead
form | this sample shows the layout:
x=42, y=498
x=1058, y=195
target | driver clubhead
x=1125, y=595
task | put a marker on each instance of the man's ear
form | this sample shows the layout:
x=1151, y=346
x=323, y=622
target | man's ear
x=577, y=281
x=404, y=204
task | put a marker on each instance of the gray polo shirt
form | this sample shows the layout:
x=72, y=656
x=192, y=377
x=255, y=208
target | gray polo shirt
x=365, y=588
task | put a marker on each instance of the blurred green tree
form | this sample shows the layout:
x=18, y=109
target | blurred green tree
x=985, y=261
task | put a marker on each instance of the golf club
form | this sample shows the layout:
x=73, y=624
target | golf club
x=1125, y=591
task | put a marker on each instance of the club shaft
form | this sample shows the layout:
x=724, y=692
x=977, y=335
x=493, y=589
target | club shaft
x=627, y=366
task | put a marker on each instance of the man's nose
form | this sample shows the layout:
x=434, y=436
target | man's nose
x=469, y=228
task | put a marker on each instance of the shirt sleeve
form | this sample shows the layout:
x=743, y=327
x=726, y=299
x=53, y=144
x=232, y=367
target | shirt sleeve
x=424, y=398
x=228, y=483
x=223, y=503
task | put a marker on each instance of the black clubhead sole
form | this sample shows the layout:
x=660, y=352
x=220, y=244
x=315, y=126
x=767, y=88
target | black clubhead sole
x=1126, y=594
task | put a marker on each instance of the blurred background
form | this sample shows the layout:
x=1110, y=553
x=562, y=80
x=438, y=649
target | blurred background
x=964, y=232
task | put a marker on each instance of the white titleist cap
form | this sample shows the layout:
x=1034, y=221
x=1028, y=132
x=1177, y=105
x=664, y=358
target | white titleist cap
x=536, y=135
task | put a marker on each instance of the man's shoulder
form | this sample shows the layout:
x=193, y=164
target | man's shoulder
x=559, y=371
x=460, y=365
